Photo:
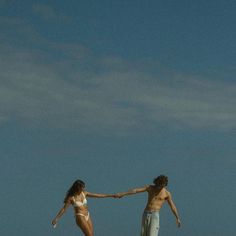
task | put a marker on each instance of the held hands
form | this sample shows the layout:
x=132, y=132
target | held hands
x=118, y=195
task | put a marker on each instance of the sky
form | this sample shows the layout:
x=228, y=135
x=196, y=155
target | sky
x=116, y=93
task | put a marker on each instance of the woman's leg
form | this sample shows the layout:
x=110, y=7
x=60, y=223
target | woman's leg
x=90, y=225
x=84, y=225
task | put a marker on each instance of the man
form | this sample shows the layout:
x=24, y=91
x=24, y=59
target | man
x=157, y=195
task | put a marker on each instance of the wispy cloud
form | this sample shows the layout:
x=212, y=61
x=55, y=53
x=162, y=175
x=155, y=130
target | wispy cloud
x=66, y=86
x=112, y=100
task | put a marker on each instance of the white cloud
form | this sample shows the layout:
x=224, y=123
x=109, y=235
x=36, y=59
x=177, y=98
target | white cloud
x=79, y=90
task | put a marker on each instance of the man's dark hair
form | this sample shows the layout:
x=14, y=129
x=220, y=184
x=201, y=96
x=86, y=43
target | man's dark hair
x=161, y=181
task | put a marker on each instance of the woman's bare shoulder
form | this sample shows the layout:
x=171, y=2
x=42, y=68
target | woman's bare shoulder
x=70, y=200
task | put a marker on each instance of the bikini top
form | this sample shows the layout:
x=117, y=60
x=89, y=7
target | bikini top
x=79, y=203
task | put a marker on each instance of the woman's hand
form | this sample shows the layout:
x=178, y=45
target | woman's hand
x=54, y=223
x=118, y=195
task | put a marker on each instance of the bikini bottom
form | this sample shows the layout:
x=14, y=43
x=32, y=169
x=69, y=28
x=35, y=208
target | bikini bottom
x=81, y=214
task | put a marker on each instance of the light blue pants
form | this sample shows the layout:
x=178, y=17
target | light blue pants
x=150, y=223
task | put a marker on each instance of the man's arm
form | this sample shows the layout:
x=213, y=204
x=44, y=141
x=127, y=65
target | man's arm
x=174, y=209
x=99, y=195
x=134, y=191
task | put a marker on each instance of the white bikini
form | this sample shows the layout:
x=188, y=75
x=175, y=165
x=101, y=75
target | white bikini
x=79, y=204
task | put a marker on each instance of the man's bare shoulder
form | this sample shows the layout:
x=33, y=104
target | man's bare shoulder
x=154, y=189
x=149, y=187
x=167, y=193
x=166, y=190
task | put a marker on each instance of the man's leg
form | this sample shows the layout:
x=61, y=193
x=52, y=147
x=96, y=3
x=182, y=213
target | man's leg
x=145, y=224
x=154, y=224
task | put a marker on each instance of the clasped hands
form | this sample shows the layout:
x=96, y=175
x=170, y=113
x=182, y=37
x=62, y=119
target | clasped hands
x=118, y=195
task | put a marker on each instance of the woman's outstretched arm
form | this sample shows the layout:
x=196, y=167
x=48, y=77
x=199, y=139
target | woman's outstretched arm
x=100, y=195
x=133, y=191
x=60, y=213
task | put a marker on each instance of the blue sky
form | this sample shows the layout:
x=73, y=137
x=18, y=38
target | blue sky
x=116, y=93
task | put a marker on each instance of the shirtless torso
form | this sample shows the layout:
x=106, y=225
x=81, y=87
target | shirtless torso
x=156, y=198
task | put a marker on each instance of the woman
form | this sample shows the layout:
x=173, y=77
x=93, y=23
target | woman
x=76, y=196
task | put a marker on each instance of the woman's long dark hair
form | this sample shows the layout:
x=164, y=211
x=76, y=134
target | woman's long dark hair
x=76, y=187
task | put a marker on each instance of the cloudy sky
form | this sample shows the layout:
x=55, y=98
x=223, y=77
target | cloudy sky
x=116, y=93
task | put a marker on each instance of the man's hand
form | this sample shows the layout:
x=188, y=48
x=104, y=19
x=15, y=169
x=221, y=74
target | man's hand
x=178, y=222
